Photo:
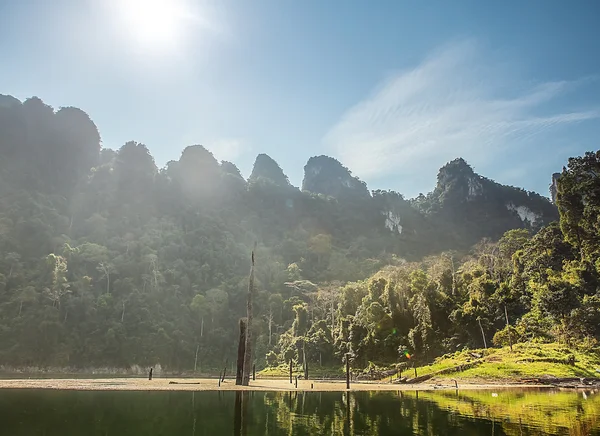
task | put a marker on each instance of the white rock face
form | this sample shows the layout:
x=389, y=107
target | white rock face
x=392, y=221
x=475, y=187
x=524, y=213
x=314, y=171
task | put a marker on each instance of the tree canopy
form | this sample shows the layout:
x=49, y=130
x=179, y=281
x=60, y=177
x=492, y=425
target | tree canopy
x=108, y=260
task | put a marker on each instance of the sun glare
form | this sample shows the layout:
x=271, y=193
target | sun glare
x=154, y=23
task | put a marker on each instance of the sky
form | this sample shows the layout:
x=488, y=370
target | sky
x=393, y=89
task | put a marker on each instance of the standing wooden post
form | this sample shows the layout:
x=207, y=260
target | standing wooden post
x=150, y=374
x=254, y=372
x=415, y=368
x=219, y=379
x=290, y=370
x=296, y=382
x=240, y=356
x=248, y=350
x=347, y=370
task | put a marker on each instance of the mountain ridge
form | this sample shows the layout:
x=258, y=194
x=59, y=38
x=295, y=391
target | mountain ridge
x=114, y=261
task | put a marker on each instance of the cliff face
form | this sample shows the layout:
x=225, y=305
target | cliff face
x=326, y=175
x=475, y=207
x=463, y=208
x=554, y=187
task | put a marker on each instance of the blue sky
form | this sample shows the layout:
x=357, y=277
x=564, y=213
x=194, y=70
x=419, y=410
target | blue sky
x=393, y=89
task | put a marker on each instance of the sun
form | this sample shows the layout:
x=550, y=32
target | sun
x=154, y=23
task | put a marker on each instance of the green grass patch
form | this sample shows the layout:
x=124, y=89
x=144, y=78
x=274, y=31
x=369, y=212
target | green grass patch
x=525, y=361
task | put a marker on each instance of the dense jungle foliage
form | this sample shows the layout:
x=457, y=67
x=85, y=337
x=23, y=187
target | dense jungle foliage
x=108, y=260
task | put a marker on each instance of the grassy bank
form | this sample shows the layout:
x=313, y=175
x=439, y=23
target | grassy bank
x=494, y=364
x=524, y=361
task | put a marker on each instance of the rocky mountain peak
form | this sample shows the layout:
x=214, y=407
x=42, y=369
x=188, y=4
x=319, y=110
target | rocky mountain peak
x=458, y=182
x=326, y=175
x=266, y=168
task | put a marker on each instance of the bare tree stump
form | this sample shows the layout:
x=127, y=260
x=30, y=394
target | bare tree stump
x=241, y=350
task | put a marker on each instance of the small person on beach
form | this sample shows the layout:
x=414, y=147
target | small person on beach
x=150, y=375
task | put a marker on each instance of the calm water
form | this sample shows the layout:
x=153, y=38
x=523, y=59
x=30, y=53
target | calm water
x=64, y=413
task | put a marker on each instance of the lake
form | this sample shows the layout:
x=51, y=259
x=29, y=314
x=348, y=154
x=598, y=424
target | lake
x=111, y=413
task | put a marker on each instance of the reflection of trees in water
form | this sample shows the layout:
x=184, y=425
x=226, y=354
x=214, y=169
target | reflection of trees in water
x=378, y=413
x=535, y=411
x=55, y=413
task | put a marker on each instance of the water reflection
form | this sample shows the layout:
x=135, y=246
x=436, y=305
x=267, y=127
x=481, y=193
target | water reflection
x=525, y=412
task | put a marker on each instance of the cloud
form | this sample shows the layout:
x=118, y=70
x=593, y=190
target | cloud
x=452, y=104
x=228, y=149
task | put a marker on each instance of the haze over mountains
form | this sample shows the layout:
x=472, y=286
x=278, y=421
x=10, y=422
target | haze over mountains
x=100, y=249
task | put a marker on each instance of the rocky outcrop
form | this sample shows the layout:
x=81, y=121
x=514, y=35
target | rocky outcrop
x=457, y=182
x=266, y=168
x=554, y=187
x=473, y=207
x=327, y=176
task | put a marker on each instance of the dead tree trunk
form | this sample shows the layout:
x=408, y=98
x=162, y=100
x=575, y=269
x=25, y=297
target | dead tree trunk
x=248, y=349
x=305, y=362
x=240, y=356
x=508, y=328
x=332, y=317
x=196, y=358
x=482, y=333
x=270, y=324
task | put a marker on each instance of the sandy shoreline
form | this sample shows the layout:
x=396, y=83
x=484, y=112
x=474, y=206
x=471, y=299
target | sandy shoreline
x=205, y=384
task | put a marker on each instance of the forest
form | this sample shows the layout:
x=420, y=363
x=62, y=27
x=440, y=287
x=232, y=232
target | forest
x=107, y=260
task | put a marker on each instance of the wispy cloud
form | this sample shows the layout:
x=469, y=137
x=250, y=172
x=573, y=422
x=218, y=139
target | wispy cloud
x=228, y=149
x=452, y=104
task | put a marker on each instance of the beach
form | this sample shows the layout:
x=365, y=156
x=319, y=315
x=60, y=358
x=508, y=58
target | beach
x=212, y=384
